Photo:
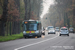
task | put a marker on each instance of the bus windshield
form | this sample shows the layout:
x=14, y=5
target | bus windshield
x=30, y=27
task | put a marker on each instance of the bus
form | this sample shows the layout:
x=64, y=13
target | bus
x=31, y=28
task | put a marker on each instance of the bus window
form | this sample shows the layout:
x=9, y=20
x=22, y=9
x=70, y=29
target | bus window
x=31, y=27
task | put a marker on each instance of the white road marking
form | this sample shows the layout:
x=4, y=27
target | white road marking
x=35, y=43
x=58, y=34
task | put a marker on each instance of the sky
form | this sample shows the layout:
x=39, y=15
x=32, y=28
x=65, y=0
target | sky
x=46, y=5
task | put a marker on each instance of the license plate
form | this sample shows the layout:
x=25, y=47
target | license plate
x=30, y=35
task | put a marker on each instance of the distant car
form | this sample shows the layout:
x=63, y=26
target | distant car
x=71, y=30
x=43, y=31
x=64, y=31
x=49, y=27
x=57, y=29
x=51, y=31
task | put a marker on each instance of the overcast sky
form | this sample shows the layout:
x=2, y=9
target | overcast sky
x=46, y=4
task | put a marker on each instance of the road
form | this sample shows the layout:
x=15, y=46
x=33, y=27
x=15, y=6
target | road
x=47, y=42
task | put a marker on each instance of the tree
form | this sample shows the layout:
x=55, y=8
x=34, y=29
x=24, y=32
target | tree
x=3, y=18
x=14, y=17
x=32, y=6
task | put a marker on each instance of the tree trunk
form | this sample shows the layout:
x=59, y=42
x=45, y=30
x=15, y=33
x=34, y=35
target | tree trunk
x=2, y=28
x=4, y=18
x=25, y=1
x=14, y=28
x=17, y=24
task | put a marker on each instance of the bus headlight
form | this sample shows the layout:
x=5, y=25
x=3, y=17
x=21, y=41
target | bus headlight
x=24, y=32
x=36, y=31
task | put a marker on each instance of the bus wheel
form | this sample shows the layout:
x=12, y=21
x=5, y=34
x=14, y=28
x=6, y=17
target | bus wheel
x=25, y=37
x=40, y=36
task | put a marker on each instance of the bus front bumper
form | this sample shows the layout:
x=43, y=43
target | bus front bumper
x=31, y=35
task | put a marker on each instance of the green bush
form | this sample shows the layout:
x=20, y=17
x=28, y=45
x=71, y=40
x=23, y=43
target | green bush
x=11, y=37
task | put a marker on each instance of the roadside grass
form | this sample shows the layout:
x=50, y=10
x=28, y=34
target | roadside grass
x=11, y=37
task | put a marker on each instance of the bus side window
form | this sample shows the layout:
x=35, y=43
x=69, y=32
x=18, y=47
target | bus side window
x=38, y=26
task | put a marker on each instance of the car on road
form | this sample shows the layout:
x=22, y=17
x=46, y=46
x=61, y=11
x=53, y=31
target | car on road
x=64, y=31
x=57, y=29
x=71, y=30
x=51, y=31
x=43, y=31
x=49, y=27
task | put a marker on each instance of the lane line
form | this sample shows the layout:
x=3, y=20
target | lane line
x=35, y=43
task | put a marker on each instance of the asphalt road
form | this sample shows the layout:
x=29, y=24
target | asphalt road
x=47, y=42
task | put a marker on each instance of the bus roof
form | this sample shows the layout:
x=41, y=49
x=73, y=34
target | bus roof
x=31, y=20
x=37, y=21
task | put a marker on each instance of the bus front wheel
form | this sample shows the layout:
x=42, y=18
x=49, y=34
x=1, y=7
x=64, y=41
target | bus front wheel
x=40, y=36
x=25, y=37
